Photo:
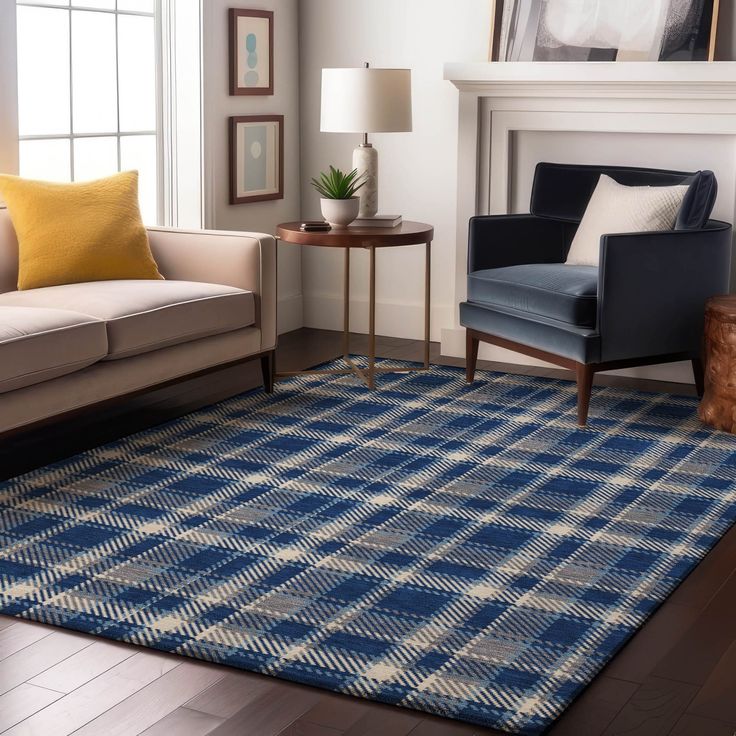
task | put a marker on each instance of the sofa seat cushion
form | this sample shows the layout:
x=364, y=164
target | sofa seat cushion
x=40, y=344
x=553, y=290
x=142, y=316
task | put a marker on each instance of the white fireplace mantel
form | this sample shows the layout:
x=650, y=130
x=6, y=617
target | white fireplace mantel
x=679, y=115
x=597, y=79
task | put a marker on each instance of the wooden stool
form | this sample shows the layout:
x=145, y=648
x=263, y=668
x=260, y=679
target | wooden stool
x=718, y=407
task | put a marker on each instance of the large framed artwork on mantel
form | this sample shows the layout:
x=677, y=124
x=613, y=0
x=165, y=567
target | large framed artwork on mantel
x=251, y=52
x=256, y=158
x=604, y=30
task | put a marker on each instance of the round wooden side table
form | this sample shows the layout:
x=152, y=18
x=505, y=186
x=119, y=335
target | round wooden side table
x=718, y=407
x=371, y=239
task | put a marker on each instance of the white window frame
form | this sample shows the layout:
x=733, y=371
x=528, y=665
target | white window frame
x=180, y=85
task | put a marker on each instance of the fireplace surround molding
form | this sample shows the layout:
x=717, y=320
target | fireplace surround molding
x=500, y=102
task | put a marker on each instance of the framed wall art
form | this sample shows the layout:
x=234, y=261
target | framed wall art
x=601, y=30
x=256, y=158
x=251, y=52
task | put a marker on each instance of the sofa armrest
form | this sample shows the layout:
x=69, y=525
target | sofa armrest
x=243, y=260
x=496, y=241
x=652, y=289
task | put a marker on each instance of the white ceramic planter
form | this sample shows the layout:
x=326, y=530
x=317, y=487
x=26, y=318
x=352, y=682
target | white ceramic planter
x=340, y=212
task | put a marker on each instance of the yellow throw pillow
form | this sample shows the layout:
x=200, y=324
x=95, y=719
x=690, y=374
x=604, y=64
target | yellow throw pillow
x=87, y=231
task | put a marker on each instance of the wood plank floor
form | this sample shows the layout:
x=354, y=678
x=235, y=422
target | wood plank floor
x=677, y=676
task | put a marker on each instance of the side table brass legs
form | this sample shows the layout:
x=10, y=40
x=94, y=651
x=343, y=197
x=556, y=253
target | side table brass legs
x=372, y=323
x=367, y=374
x=346, y=309
x=427, y=305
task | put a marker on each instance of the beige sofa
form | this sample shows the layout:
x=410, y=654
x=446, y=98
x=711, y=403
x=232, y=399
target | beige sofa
x=63, y=348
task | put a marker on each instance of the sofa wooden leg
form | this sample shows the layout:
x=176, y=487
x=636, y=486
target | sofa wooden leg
x=699, y=374
x=268, y=368
x=471, y=355
x=584, y=374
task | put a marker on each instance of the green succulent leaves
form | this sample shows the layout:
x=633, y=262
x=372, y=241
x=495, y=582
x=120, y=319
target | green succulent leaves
x=335, y=184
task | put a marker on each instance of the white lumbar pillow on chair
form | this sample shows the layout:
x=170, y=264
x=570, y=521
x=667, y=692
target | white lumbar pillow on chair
x=615, y=208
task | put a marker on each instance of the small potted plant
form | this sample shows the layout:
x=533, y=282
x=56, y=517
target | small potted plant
x=340, y=206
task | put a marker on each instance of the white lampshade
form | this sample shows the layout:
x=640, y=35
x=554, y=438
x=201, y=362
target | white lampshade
x=366, y=100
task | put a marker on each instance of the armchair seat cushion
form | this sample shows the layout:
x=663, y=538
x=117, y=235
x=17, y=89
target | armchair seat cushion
x=552, y=290
x=141, y=315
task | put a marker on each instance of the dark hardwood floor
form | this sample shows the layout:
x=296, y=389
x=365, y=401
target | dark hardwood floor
x=677, y=676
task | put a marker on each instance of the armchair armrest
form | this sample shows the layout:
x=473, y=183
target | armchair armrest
x=496, y=241
x=652, y=289
x=243, y=260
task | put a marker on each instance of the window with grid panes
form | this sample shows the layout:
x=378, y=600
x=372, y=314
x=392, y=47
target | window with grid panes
x=87, y=92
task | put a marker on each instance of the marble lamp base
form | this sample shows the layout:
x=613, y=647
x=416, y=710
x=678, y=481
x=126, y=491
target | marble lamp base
x=365, y=160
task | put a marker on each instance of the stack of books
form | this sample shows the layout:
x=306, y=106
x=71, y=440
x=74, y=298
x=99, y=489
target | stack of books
x=377, y=221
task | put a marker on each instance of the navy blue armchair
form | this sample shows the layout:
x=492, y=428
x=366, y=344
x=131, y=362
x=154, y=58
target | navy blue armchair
x=644, y=303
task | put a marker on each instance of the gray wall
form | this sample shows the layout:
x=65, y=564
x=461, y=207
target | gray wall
x=219, y=105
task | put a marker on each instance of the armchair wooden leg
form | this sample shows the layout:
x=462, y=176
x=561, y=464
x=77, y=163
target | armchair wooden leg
x=699, y=374
x=471, y=355
x=584, y=375
x=268, y=369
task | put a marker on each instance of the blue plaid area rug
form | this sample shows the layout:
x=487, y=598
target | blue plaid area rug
x=464, y=551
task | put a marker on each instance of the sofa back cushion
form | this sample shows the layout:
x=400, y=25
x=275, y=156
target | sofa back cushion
x=8, y=253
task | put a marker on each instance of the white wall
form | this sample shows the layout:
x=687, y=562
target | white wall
x=219, y=105
x=8, y=90
x=418, y=170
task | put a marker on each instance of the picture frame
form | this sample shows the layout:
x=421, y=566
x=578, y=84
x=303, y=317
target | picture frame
x=594, y=30
x=494, y=50
x=251, y=51
x=256, y=158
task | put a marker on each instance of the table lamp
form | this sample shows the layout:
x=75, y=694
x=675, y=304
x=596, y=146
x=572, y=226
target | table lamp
x=366, y=100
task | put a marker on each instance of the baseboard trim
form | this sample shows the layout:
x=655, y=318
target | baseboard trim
x=393, y=319
x=290, y=314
